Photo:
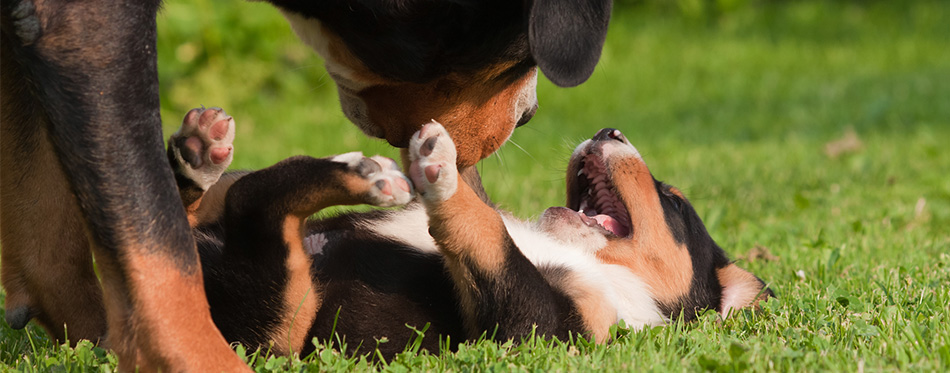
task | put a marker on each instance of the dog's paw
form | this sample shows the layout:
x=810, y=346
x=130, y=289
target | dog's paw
x=387, y=185
x=204, y=145
x=433, y=169
x=18, y=317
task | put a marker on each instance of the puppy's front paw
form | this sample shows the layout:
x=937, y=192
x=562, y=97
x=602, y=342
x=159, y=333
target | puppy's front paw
x=204, y=145
x=433, y=169
x=387, y=186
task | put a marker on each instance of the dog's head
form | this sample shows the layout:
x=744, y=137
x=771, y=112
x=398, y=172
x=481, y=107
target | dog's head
x=616, y=209
x=468, y=64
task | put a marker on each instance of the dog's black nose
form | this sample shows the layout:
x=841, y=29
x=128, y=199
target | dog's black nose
x=609, y=134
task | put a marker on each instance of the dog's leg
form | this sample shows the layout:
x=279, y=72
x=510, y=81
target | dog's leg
x=198, y=153
x=498, y=287
x=90, y=68
x=46, y=264
x=262, y=290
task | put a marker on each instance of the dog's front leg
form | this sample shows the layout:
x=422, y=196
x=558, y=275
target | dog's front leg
x=501, y=292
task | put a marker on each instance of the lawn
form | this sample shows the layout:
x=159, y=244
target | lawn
x=811, y=136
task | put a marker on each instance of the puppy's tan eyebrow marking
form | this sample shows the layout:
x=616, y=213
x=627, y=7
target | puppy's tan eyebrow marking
x=676, y=192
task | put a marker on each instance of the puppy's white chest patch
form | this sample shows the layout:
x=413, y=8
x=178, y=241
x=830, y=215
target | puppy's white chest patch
x=621, y=288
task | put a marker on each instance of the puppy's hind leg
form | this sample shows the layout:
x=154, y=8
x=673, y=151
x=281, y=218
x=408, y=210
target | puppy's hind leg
x=265, y=269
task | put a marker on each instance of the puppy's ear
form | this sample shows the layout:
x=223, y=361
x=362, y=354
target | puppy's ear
x=567, y=36
x=740, y=289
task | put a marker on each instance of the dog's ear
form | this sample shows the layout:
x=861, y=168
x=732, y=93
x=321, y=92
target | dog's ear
x=740, y=289
x=567, y=36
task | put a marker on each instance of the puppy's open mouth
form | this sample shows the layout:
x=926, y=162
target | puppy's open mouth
x=595, y=198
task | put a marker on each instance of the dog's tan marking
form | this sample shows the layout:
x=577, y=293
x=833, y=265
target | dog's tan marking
x=468, y=230
x=191, y=209
x=596, y=311
x=739, y=289
x=652, y=253
x=210, y=206
x=479, y=115
x=468, y=233
x=301, y=299
x=676, y=191
x=157, y=306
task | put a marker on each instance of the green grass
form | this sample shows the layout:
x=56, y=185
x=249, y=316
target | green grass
x=736, y=111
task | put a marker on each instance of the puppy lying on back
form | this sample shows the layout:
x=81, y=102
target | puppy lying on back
x=626, y=247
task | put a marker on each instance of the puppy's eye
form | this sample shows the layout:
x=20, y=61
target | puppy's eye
x=675, y=201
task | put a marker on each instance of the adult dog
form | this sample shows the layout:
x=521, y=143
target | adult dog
x=82, y=151
x=626, y=247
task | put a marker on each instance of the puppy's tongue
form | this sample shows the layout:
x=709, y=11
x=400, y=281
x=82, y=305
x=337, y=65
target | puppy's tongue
x=611, y=225
x=608, y=223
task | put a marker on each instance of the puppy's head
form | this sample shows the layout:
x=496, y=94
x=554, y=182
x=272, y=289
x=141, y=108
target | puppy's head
x=617, y=210
x=468, y=64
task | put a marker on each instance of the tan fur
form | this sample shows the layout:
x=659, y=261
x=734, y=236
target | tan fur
x=468, y=232
x=166, y=324
x=469, y=107
x=301, y=300
x=677, y=192
x=596, y=311
x=468, y=229
x=210, y=206
x=192, y=211
x=653, y=253
x=740, y=288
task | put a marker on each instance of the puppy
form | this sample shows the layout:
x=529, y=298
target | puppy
x=626, y=247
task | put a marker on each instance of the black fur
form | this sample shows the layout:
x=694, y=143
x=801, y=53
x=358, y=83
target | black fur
x=511, y=303
x=707, y=257
x=105, y=127
x=378, y=288
x=253, y=262
x=566, y=37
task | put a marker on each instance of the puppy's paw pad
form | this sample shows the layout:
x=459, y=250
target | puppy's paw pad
x=433, y=169
x=204, y=145
x=387, y=185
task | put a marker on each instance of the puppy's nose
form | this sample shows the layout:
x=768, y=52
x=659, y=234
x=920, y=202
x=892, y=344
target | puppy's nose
x=609, y=134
